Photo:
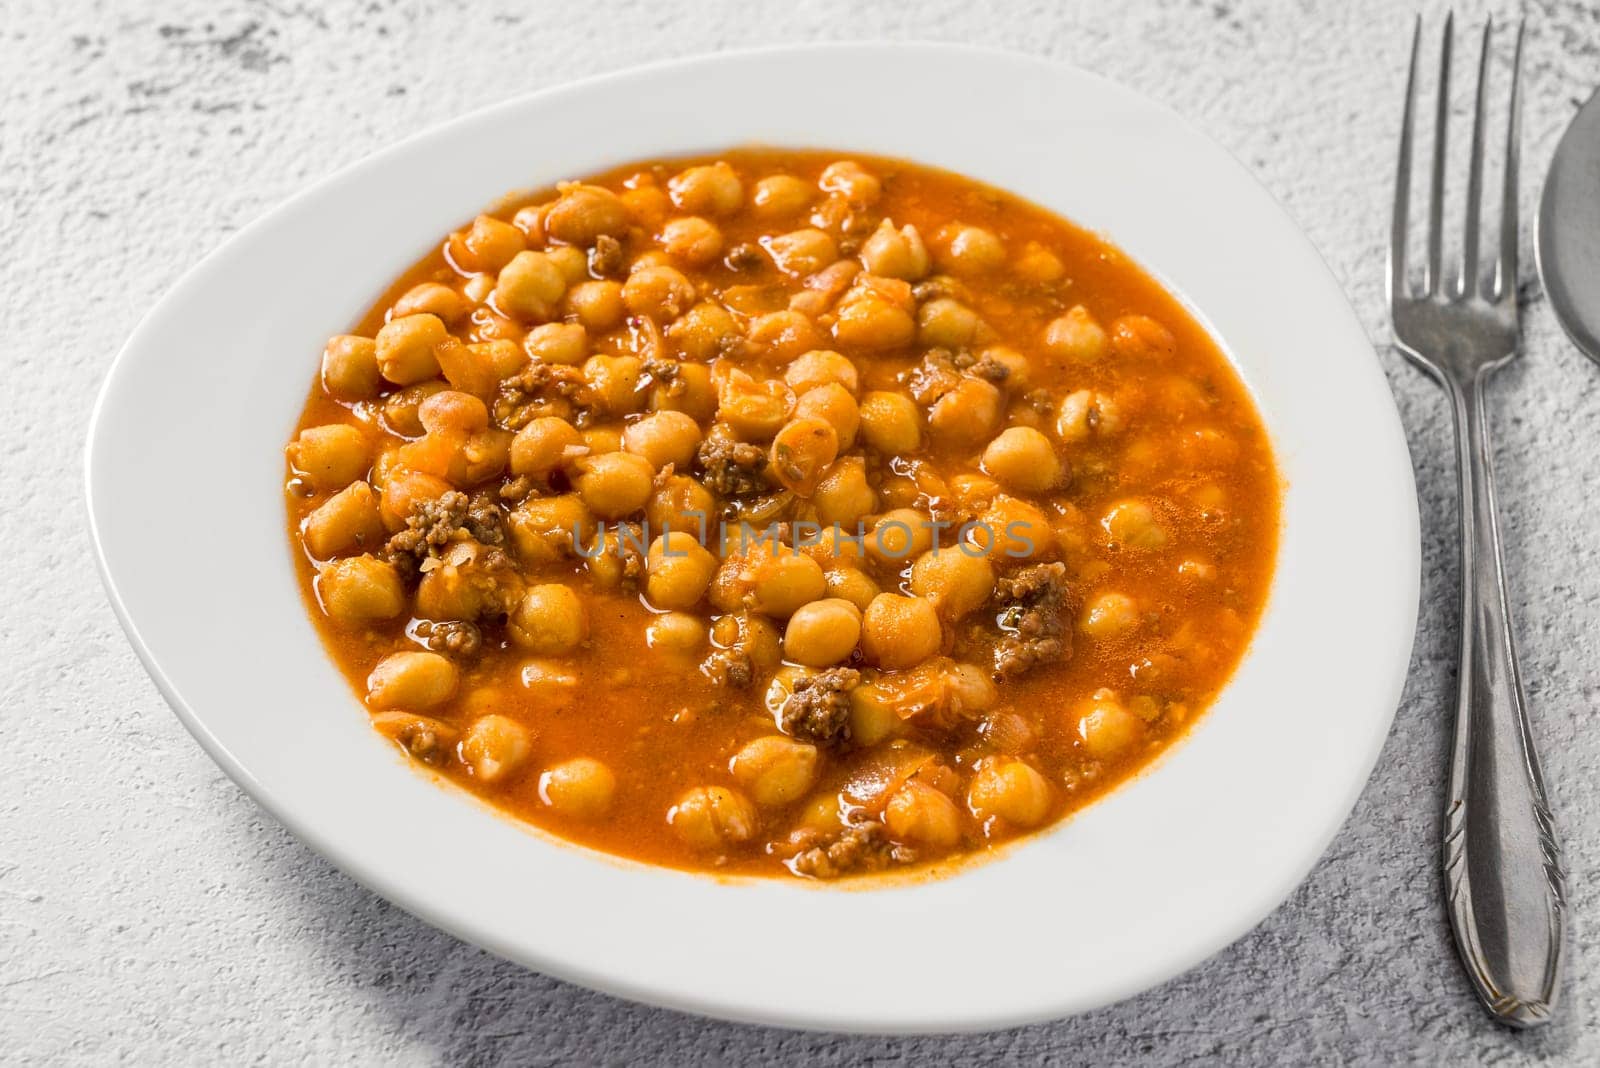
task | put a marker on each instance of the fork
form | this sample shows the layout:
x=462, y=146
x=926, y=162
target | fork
x=1502, y=864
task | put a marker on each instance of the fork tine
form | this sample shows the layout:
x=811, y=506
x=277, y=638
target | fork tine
x=1505, y=276
x=1434, y=276
x=1402, y=182
x=1467, y=282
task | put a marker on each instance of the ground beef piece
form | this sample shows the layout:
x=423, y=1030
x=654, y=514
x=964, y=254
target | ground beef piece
x=980, y=366
x=1032, y=603
x=662, y=372
x=542, y=389
x=730, y=667
x=818, y=709
x=516, y=489
x=860, y=847
x=606, y=256
x=732, y=468
x=629, y=538
x=429, y=528
x=455, y=637
x=745, y=257
x=485, y=521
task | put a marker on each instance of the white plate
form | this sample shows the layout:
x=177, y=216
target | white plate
x=1136, y=889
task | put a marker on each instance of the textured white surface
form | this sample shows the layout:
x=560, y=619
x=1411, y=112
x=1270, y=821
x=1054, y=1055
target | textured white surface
x=150, y=913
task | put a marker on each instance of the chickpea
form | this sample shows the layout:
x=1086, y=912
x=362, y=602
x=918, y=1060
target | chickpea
x=1016, y=364
x=677, y=633
x=330, y=457
x=969, y=689
x=411, y=680
x=550, y=620
x=821, y=367
x=495, y=748
x=801, y=452
x=712, y=817
x=647, y=204
x=1139, y=336
x=530, y=286
x=955, y=580
x=1013, y=529
x=563, y=343
x=843, y=494
x=822, y=633
x=613, y=382
x=487, y=245
x=850, y=180
x=350, y=368
x=900, y=632
x=548, y=529
x=658, y=291
x=614, y=484
x=781, y=196
x=542, y=446
x=752, y=635
x=452, y=412
x=663, y=438
x=572, y=261
x=755, y=410
x=783, y=581
x=1132, y=524
x=833, y=404
x=433, y=299
x=852, y=585
x=1107, y=728
x=869, y=320
x=584, y=213
x=476, y=368
x=972, y=250
x=691, y=240
x=946, y=323
x=1086, y=412
x=1075, y=337
x=891, y=423
x=597, y=305
x=783, y=335
x=802, y=252
x=478, y=288
x=967, y=414
x=582, y=788
x=874, y=714
x=899, y=535
x=921, y=814
x=359, y=589
x=405, y=348
x=678, y=570
x=1109, y=615
x=1010, y=789
x=701, y=332
x=1039, y=265
x=1023, y=460
x=404, y=490
x=347, y=520
x=681, y=503
x=775, y=769
x=895, y=253
x=713, y=190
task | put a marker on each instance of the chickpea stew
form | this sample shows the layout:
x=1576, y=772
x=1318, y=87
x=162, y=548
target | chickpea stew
x=782, y=513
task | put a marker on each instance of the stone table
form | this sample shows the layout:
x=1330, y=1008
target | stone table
x=150, y=913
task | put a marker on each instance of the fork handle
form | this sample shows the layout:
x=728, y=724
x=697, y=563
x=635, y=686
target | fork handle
x=1502, y=863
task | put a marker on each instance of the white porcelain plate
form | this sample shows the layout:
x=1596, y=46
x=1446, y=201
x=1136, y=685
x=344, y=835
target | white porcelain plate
x=1134, y=890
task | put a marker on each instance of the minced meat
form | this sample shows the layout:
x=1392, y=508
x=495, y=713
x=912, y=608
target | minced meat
x=732, y=468
x=456, y=637
x=1032, y=604
x=542, y=389
x=859, y=847
x=818, y=708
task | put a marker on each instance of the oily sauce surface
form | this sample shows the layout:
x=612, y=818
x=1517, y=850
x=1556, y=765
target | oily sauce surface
x=1163, y=515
